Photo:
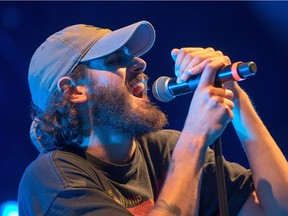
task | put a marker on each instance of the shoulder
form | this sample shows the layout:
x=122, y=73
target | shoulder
x=51, y=168
x=40, y=184
x=42, y=168
x=49, y=175
x=66, y=167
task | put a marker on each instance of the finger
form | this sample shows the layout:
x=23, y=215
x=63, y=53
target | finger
x=194, y=62
x=183, y=51
x=187, y=60
x=225, y=105
x=229, y=94
x=196, y=70
x=222, y=92
x=209, y=73
x=181, y=55
x=193, y=57
x=229, y=115
x=229, y=103
x=177, y=57
x=174, y=53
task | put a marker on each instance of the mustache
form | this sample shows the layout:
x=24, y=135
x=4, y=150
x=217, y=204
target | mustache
x=136, y=78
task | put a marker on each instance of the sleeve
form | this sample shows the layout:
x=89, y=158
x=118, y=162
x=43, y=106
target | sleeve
x=239, y=186
x=85, y=201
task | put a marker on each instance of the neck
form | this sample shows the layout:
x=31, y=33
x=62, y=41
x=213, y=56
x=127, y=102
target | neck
x=112, y=148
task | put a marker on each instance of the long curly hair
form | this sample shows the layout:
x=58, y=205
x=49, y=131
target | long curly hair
x=60, y=125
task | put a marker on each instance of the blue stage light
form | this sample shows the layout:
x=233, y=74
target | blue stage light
x=9, y=208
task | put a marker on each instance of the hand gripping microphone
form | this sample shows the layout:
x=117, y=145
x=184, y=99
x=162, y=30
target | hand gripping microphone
x=165, y=88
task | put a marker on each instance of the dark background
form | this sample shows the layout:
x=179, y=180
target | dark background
x=244, y=31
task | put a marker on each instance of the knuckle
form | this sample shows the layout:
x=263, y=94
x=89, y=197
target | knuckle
x=219, y=100
x=227, y=59
x=226, y=109
x=210, y=92
x=210, y=66
x=229, y=93
x=210, y=49
x=198, y=58
x=183, y=51
x=219, y=53
x=188, y=58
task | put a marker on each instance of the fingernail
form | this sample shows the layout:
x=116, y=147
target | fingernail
x=176, y=72
x=190, y=71
x=184, y=77
x=181, y=79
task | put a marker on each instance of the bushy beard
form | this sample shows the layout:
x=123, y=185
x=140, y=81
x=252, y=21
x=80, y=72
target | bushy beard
x=113, y=113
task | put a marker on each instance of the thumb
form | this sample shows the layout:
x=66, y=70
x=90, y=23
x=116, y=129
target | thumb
x=174, y=54
x=209, y=73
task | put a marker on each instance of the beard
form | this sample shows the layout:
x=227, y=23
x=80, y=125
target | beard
x=116, y=111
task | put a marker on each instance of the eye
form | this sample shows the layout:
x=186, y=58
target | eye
x=117, y=59
x=113, y=61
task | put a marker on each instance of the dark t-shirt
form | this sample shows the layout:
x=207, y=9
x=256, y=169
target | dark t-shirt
x=73, y=182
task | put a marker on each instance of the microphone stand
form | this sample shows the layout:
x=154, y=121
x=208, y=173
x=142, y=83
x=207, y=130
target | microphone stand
x=221, y=184
x=239, y=71
x=220, y=175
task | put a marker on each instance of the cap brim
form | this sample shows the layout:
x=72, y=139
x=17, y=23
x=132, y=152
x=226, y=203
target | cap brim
x=138, y=38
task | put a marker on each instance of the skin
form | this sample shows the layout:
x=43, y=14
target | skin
x=210, y=111
x=111, y=71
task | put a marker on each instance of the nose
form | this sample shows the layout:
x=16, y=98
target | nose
x=136, y=66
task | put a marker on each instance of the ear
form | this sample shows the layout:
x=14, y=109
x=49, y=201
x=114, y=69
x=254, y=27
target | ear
x=76, y=94
x=79, y=95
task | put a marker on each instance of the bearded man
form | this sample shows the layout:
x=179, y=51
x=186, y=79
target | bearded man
x=103, y=150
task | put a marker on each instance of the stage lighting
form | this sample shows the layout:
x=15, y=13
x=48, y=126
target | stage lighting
x=9, y=208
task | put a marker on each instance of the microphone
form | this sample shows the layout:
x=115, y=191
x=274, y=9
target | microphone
x=165, y=88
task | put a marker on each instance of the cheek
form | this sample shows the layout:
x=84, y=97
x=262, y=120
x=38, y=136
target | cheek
x=121, y=72
x=107, y=79
x=104, y=81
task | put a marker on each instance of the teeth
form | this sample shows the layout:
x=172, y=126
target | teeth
x=137, y=89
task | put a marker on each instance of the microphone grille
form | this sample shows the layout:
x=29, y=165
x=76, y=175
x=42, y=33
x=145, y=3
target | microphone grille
x=160, y=89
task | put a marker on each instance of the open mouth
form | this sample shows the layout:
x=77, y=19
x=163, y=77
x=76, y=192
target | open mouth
x=138, y=86
x=138, y=89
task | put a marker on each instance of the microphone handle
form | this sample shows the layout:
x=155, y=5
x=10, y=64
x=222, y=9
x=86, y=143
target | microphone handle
x=237, y=71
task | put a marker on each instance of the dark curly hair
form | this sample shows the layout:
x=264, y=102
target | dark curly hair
x=60, y=124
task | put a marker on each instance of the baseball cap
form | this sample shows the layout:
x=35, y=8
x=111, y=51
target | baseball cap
x=62, y=51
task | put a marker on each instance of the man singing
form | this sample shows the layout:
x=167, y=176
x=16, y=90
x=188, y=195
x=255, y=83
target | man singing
x=103, y=150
